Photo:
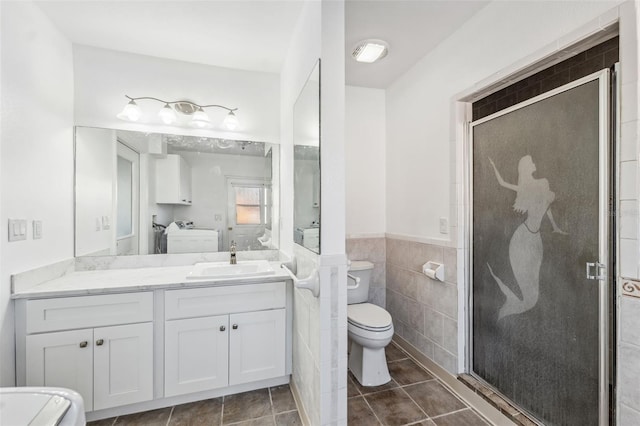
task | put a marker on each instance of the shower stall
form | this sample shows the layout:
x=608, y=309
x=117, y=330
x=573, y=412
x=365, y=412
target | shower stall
x=539, y=266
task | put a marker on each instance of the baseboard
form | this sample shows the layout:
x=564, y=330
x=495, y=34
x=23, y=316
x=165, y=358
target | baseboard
x=298, y=399
x=478, y=403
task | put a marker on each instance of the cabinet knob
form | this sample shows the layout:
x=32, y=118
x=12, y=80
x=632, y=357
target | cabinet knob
x=223, y=328
x=84, y=344
x=235, y=326
x=99, y=342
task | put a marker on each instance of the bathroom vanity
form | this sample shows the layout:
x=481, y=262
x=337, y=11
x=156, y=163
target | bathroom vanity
x=132, y=340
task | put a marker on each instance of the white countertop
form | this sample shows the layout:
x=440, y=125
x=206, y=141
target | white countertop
x=81, y=283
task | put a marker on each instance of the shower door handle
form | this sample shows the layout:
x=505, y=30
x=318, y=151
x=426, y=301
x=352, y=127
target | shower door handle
x=599, y=271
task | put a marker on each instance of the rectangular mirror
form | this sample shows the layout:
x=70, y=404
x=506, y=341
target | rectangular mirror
x=306, y=164
x=152, y=193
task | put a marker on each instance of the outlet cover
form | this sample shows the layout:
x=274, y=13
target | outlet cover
x=37, y=229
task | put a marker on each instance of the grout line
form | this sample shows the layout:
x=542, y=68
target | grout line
x=419, y=422
x=417, y=405
x=370, y=408
x=452, y=412
x=170, y=414
x=273, y=409
x=222, y=412
x=246, y=420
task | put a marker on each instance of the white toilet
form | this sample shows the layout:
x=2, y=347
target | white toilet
x=370, y=328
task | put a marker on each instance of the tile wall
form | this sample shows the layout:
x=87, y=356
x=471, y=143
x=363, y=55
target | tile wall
x=373, y=250
x=424, y=311
x=628, y=362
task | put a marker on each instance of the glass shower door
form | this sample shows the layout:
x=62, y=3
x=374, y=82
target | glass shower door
x=539, y=177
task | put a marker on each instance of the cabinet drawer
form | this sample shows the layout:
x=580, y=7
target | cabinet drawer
x=207, y=301
x=88, y=311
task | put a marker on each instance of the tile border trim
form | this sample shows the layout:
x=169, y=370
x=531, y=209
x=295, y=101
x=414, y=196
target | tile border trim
x=481, y=406
x=630, y=288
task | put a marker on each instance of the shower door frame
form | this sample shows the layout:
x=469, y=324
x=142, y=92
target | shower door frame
x=605, y=178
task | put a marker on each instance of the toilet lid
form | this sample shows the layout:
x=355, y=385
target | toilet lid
x=368, y=315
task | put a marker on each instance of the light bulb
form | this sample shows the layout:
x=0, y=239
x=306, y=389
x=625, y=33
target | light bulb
x=131, y=112
x=167, y=115
x=230, y=121
x=200, y=119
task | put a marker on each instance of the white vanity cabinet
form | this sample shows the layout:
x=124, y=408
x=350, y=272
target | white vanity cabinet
x=173, y=180
x=238, y=336
x=100, y=346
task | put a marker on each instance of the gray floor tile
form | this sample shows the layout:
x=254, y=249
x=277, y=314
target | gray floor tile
x=394, y=407
x=407, y=372
x=200, y=413
x=246, y=406
x=282, y=399
x=103, y=422
x=461, y=418
x=434, y=398
x=359, y=413
x=394, y=353
x=146, y=418
x=291, y=418
x=262, y=421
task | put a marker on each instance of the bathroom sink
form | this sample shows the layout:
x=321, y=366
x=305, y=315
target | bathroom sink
x=249, y=268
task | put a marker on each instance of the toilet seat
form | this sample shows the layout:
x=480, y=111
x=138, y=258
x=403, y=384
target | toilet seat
x=369, y=317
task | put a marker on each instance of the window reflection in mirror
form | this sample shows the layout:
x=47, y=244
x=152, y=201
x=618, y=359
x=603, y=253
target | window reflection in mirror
x=151, y=193
x=306, y=163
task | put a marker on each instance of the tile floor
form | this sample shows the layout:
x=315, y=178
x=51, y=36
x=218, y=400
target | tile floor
x=413, y=397
x=262, y=407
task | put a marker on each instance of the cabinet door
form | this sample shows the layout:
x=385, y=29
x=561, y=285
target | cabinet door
x=185, y=181
x=63, y=359
x=196, y=355
x=123, y=365
x=257, y=346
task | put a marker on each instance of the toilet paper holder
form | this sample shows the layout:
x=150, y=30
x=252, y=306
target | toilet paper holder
x=433, y=270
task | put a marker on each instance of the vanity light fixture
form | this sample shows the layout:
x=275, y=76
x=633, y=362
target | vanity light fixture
x=168, y=115
x=369, y=51
x=131, y=111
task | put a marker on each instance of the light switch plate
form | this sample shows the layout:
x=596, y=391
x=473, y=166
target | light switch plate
x=37, y=229
x=17, y=229
x=444, y=225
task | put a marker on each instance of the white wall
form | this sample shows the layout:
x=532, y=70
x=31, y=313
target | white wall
x=36, y=152
x=301, y=57
x=365, y=130
x=319, y=346
x=103, y=77
x=420, y=127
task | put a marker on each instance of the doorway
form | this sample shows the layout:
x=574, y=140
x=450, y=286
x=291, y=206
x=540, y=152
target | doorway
x=539, y=260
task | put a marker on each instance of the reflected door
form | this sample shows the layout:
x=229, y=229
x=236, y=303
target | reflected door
x=540, y=199
x=127, y=195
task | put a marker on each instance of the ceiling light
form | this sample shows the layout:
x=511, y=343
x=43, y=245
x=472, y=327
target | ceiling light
x=131, y=112
x=230, y=121
x=369, y=51
x=167, y=114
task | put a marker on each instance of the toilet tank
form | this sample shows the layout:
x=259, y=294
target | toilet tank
x=361, y=269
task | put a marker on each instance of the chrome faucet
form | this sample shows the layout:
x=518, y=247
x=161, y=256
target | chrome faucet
x=232, y=251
